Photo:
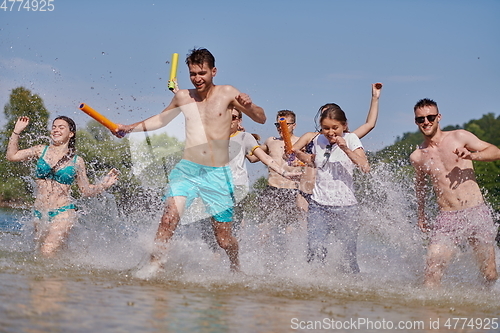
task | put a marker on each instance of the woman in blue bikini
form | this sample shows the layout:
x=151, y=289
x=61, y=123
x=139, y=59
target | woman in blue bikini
x=57, y=168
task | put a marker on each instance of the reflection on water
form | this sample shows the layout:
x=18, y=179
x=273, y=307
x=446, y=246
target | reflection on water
x=90, y=287
x=9, y=220
x=83, y=301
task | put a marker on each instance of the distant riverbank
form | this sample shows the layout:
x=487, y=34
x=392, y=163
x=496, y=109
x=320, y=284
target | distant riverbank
x=17, y=204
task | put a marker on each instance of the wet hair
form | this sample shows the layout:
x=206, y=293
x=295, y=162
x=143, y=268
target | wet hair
x=199, y=57
x=332, y=111
x=285, y=113
x=71, y=142
x=425, y=102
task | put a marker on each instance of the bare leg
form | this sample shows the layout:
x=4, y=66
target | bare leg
x=170, y=219
x=485, y=255
x=58, y=232
x=438, y=258
x=228, y=242
x=168, y=223
x=166, y=228
x=303, y=208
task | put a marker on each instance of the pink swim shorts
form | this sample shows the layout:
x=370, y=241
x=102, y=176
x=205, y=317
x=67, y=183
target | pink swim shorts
x=474, y=223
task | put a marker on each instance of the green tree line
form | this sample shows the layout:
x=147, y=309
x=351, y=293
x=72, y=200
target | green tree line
x=144, y=164
x=486, y=128
x=95, y=144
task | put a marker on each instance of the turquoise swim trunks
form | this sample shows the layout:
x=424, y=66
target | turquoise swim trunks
x=214, y=185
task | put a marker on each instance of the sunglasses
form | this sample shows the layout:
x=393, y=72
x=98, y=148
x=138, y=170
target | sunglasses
x=236, y=117
x=278, y=124
x=430, y=118
x=327, y=154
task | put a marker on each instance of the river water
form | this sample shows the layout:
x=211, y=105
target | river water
x=90, y=286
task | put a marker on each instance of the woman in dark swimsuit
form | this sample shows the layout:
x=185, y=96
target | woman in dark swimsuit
x=58, y=167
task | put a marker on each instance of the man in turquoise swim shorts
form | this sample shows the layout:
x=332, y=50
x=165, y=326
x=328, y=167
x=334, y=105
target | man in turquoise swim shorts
x=213, y=185
x=203, y=170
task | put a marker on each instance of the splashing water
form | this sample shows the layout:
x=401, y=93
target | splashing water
x=391, y=252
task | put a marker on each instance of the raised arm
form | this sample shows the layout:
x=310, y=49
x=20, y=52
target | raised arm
x=13, y=153
x=157, y=121
x=244, y=103
x=88, y=189
x=371, y=119
x=476, y=149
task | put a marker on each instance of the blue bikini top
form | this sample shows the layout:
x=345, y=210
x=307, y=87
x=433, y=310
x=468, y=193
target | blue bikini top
x=64, y=175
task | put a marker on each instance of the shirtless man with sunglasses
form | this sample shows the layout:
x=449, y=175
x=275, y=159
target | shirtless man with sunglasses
x=446, y=158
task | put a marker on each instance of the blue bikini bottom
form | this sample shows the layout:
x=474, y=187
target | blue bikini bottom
x=54, y=212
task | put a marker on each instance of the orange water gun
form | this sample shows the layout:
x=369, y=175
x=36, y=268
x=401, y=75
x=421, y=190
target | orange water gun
x=100, y=118
x=287, y=139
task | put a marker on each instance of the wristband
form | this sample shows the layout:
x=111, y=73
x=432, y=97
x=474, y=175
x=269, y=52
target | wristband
x=16, y=133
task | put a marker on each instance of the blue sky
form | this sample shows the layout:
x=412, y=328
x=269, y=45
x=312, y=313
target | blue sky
x=294, y=55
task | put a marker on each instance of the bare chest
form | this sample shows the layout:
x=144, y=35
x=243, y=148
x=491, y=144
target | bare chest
x=207, y=120
x=276, y=148
x=441, y=160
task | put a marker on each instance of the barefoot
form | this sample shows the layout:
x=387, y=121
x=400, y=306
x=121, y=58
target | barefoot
x=149, y=270
x=149, y=267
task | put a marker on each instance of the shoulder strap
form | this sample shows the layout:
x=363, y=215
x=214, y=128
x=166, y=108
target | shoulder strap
x=44, y=150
